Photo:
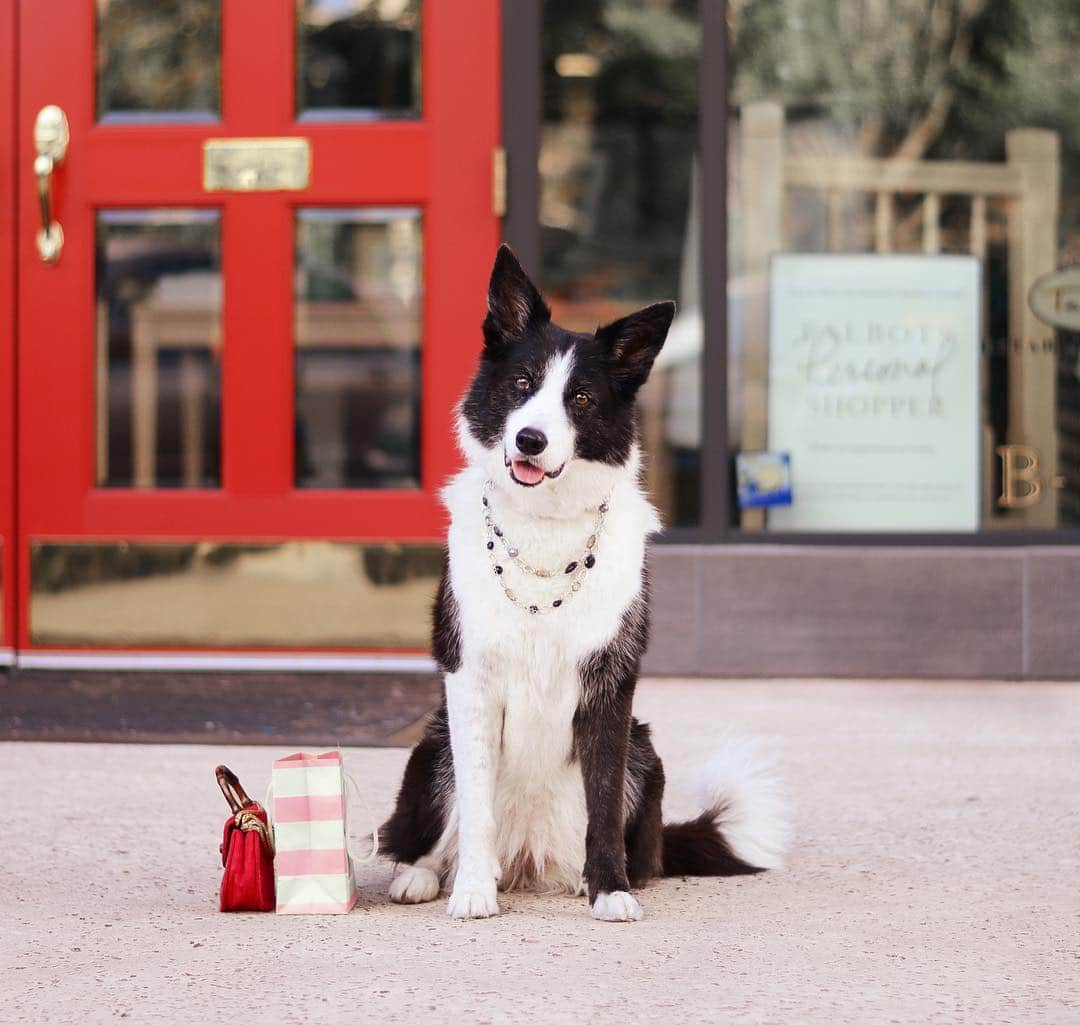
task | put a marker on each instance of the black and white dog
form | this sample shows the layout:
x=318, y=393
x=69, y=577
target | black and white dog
x=533, y=773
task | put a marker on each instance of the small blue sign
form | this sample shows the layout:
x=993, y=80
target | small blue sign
x=764, y=479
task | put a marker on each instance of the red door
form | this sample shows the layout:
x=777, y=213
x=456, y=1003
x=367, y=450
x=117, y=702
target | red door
x=277, y=223
x=7, y=335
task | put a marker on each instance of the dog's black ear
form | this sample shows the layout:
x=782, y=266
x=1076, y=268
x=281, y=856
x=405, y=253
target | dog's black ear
x=513, y=302
x=633, y=342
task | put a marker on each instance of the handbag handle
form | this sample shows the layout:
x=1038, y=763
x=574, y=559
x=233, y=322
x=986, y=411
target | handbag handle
x=234, y=793
x=247, y=819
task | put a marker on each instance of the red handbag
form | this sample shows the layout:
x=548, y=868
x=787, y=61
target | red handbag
x=247, y=850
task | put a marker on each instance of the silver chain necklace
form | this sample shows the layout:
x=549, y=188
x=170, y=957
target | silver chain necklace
x=574, y=571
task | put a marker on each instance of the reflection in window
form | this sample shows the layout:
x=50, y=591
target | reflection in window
x=621, y=200
x=918, y=128
x=159, y=298
x=161, y=56
x=358, y=322
x=358, y=58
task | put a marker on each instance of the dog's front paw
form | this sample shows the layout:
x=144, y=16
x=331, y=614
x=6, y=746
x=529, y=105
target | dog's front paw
x=473, y=900
x=618, y=906
x=414, y=884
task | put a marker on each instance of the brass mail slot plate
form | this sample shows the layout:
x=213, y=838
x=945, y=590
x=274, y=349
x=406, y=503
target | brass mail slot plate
x=256, y=165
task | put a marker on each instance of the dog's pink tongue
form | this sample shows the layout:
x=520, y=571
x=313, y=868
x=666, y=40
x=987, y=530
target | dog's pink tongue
x=527, y=473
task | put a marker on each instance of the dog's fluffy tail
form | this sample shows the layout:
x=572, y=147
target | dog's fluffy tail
x=746, y=826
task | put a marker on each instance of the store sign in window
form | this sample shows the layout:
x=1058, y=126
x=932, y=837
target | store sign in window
x=874, y=391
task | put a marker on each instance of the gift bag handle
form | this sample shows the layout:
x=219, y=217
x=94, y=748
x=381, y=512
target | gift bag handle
x=374, y=852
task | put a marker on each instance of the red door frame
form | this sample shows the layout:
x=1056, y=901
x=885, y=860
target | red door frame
x=8, y=157
x=441, y=163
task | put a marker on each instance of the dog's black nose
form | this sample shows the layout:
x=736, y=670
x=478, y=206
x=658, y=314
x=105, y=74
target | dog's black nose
x=531, y=441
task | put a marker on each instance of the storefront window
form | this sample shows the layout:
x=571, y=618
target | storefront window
x=903, y=290
x=620, y=199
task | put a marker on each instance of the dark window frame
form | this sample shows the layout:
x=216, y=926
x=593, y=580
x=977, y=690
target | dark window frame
x=521, y=93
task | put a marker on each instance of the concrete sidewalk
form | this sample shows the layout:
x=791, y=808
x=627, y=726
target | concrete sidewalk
x=935, y=879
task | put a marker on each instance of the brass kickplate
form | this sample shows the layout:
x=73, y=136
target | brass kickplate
x=256, y=165
x=246, y=593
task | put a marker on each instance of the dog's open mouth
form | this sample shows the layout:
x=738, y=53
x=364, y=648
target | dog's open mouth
x=527, y=474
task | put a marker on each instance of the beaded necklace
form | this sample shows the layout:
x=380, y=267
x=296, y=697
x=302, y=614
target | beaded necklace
x=574, y=571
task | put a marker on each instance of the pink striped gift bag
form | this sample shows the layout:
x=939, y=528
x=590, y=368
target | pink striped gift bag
x=313, y=867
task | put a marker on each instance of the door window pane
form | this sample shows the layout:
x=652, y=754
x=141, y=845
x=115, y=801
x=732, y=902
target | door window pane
x=159, y=58
x=620, y=204
x=358, y=322
x=358, y=58
x=904, y=230
x=159, y=298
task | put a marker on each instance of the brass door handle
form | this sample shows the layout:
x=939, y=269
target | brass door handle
x=51, y=139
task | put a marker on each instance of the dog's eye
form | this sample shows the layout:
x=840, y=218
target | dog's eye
x=523, y=384
x=582, y=399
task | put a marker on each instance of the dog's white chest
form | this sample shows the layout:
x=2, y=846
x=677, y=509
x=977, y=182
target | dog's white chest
x=539, y=795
